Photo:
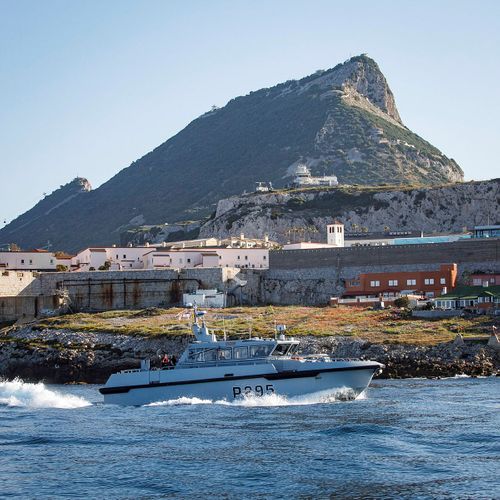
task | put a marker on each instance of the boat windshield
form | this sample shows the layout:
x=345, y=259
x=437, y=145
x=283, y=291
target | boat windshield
x=284, y=349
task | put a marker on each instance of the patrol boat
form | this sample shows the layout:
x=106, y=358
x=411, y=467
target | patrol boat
x=232, y=369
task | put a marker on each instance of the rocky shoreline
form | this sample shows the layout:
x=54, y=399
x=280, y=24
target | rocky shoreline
x=62, y=356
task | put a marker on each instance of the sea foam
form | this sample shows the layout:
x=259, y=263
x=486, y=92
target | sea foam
x=17, y=393
x=268, y=400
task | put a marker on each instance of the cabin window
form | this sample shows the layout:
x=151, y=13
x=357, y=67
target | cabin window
x=281, y=349
x=240, y=352
x=260, y=351
x=224, y=354
x=210, y=355
x=195, y=355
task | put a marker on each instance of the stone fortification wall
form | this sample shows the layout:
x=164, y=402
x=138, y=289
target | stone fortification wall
x=103, y=290
x=307, y=277
x=311, y=277
x=15, y=283
x=465, y=251
x=20, y=295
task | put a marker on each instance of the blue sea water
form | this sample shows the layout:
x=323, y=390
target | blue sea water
x=403, y=439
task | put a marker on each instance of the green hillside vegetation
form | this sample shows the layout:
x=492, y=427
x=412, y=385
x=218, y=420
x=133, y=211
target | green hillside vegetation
x=387, y=326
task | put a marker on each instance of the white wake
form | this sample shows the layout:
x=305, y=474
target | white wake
x=269, y=400
x=17, y=393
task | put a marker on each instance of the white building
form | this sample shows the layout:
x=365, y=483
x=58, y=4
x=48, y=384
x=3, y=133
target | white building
x=250, y=258
x=147, y=257
x=303, y=178
x=32, y=260
x=335, y=234
x=205, y=298
x=113, y=258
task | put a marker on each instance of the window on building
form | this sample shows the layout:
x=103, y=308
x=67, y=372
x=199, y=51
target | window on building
x=51, y=261
x=429, y=281
x=375, y=283
x=442, y=281
x=189, y=260
x=411, y=282
x=130, y=265
x=31, y=262
x=22, y=261
x=246, y=257
x=264, y=258
x=124, y=256
x=393, y=282
x=117, y=256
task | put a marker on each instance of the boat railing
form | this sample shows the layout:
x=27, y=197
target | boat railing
x=325, y=357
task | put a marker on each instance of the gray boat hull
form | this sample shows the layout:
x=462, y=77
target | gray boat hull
x=348, y=382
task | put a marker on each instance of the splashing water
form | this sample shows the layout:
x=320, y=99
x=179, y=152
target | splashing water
x=269, y=400
x=17, y=393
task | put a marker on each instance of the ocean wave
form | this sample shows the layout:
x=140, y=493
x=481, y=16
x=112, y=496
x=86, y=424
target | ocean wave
x=268, y=400
x=16, y=393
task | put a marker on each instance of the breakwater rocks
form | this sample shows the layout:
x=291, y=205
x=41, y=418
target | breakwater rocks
x=61, y=356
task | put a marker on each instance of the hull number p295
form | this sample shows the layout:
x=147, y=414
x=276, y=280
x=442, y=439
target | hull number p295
x=257, y=390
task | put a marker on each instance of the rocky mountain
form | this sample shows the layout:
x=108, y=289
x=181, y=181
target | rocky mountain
x=43, y=217
x=303, y=214
x=343, y=120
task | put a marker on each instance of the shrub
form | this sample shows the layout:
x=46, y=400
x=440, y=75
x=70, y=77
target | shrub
x=402, y=302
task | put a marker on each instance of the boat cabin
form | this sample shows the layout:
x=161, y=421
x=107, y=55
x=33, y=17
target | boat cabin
x=251, y=350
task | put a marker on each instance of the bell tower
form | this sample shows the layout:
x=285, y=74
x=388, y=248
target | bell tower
x=335, y=234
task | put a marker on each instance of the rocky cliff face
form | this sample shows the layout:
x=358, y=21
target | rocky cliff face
x=282, y=214
x=343, y=120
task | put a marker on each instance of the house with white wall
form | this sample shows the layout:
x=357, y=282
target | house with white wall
x=244, y=258
x=250, y=258
x=29, y=260
x=148, y=257
x=117, y=258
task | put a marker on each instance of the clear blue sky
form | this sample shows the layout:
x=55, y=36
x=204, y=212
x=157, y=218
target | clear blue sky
x=88, y=86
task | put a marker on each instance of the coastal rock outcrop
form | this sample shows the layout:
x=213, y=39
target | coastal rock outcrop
x=61, y=356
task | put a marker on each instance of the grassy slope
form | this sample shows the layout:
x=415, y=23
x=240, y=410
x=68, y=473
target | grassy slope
x=390, y=326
